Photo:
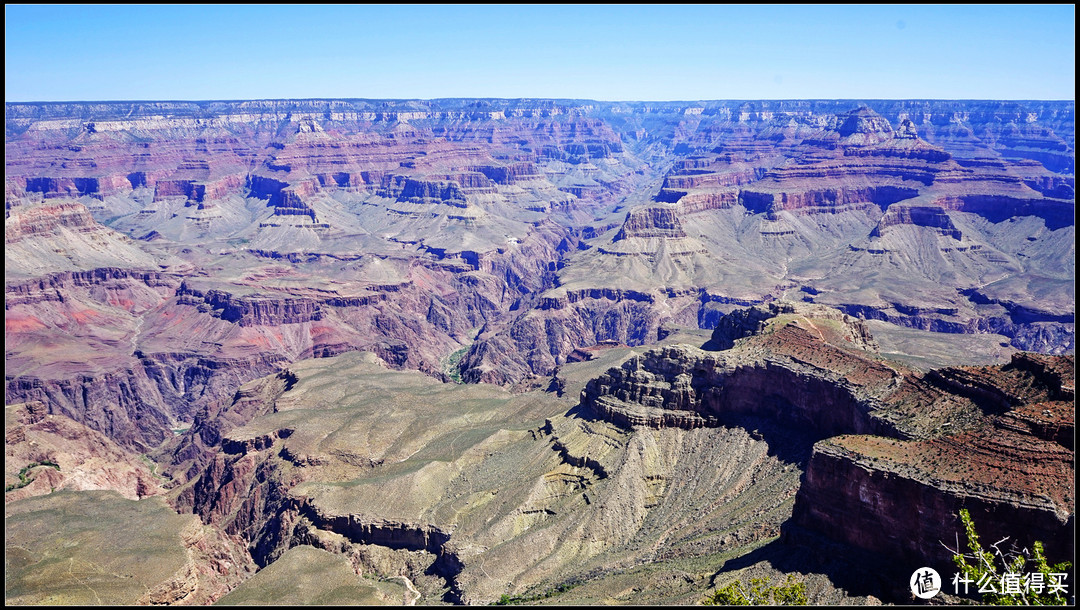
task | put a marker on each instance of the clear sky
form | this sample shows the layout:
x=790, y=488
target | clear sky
x=601, y=52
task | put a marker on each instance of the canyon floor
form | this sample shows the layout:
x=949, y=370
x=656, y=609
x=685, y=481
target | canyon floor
x=531, y=351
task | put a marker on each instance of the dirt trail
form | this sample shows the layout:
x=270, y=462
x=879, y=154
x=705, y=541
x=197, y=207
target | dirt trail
x=411, y=588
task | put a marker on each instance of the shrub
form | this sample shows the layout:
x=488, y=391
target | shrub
x=759, y=593
x=25, y=479
x=981, y=567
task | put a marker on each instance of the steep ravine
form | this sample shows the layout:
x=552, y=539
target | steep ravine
x=893, y=448
x=537, y=507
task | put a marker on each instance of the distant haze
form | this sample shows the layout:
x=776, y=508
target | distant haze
x=655, y=53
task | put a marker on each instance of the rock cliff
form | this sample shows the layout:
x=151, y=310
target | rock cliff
x=469, y=179
x=898, y=453
x=45, y=453
x=453, y=519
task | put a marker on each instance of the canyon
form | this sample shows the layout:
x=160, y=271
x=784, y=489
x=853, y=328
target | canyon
x=461, y=349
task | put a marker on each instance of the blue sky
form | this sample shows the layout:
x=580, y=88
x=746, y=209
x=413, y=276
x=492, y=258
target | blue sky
x=602, y=52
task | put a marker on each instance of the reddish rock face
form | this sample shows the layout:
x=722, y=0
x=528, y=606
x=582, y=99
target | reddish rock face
x=899, y=502
x=651, y=222
x=56, y=453
x=46, y=219
x=901, y=452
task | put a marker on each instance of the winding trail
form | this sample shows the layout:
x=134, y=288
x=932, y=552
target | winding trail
x=409, y=586
x=71, y=573
x=818, y=330
x=135, y=335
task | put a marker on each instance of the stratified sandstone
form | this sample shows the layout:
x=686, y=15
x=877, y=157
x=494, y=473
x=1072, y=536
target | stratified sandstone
x=900, y=452
x=761, y=197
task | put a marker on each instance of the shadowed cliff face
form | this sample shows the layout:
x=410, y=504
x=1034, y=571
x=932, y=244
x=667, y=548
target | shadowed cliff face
x=900, y=452
x=466, y=488
x=797, y=429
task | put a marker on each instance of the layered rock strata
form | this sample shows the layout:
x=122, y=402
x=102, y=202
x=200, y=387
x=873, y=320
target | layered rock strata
x=304, y=178
x=45, y=453
x=585, y=493
x=900, y=453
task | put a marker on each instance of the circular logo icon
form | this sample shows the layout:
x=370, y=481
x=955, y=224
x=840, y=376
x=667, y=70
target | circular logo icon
x=925, y=583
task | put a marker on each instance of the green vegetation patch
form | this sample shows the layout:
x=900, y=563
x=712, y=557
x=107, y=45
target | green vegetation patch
x=759, y=592
x=89, y=547
x=305, y=575
x=992, y=565
x=450, y=366
x=24, y=474
x=152, y=465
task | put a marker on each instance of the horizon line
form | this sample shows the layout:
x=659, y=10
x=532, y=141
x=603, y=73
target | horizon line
x=546, y=99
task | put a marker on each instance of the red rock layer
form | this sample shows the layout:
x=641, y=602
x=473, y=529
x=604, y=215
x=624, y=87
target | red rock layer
x=901, y=499
x=901, y=453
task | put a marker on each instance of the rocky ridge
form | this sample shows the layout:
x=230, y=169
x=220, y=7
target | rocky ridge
x=586, y=495
x=679, y=452
x=45, y=453
x=894, y=447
